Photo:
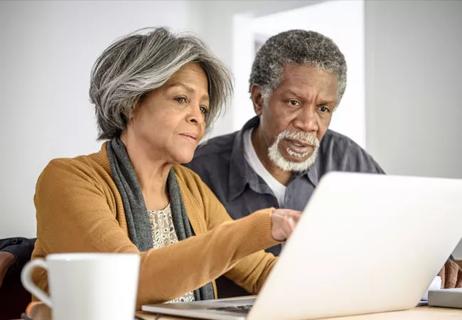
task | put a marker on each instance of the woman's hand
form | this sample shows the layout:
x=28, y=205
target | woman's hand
x=283, y=222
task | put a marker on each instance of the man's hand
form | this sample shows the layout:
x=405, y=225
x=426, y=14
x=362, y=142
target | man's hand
x=283, y=222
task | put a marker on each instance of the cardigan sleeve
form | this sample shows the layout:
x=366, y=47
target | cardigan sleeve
x=75, y=213
x=250, y=271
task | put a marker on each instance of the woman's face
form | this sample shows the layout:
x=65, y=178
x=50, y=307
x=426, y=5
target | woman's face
x=169, y=122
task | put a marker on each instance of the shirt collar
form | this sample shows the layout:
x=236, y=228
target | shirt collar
x=241, y=174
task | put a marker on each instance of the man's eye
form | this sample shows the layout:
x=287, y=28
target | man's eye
x=294, y=103
x=204, y=110
x=324, y=109
x=181, y=100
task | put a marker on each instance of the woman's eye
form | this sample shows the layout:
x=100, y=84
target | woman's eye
x=294, y=103
x=181, y=100
x=204, y=110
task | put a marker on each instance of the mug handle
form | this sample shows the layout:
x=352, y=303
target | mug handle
x=26, y=279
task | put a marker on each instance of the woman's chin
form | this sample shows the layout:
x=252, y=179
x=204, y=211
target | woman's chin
x=184, y=159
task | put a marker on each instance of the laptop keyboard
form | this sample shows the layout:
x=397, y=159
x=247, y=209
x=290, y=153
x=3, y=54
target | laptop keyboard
x=243, y=309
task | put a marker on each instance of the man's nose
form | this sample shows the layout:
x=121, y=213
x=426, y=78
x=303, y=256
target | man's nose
x=307, y=119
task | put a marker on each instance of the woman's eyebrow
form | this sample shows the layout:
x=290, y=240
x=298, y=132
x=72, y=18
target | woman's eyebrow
x=186, y=87
x=180, y=84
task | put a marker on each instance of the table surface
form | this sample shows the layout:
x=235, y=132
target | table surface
x=419, y=313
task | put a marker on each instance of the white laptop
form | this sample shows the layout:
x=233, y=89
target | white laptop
x=366, y=243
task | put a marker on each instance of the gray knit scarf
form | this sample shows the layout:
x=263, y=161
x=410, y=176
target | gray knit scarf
x=139, y=225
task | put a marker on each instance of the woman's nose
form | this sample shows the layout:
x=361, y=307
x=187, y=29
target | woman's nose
x=195, y=115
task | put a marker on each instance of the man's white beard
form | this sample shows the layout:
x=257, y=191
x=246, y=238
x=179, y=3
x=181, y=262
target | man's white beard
x=277, y=158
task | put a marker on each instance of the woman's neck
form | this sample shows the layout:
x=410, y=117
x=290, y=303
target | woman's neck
x=152, y=173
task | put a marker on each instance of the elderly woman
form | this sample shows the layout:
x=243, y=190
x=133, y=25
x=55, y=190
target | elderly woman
x=155, y=94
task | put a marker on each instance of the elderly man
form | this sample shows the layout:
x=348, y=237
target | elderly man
x=278, y=157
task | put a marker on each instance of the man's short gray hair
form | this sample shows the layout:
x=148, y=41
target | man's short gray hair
x=143, y=61
x=297, y=47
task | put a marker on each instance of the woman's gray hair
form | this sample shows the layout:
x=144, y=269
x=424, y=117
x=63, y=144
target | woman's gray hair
x=297, y=47
x=143, y=61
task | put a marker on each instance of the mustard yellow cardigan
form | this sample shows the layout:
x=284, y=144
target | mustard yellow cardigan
x=79, y=209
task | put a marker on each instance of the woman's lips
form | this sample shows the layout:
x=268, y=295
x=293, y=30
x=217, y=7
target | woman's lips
x=190, y=136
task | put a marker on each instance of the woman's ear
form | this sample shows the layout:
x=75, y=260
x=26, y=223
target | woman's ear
x=131, y=112
x=128, y=115
x=257, y=98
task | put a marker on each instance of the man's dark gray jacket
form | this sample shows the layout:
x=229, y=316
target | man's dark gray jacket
x=221, y=164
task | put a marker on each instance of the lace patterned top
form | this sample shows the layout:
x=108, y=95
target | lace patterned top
x=163, y=234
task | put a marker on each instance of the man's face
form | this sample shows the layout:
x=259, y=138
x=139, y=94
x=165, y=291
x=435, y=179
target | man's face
x=296, y=116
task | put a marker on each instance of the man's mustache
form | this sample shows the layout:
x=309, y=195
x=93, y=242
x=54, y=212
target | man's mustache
x=306, y=137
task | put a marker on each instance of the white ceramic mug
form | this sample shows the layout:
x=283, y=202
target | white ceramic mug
x=90, y=286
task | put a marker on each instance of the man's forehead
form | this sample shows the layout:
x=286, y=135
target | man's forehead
x=299, y=77
x=305, y=70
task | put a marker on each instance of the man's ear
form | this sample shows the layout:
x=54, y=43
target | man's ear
x=257, y=98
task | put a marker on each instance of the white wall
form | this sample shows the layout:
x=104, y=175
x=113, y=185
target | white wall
x=414, y=87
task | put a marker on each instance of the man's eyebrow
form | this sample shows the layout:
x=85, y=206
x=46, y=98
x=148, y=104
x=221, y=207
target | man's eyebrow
x=291, y=92
x=300, y=96
x=327, y=101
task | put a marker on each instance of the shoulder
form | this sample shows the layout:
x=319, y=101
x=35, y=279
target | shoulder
x=190, y=182
x=67, y=171
x=196, y=194
x=340, y=153
x=333, y=138
x=186, y=176
x=216, y=146
x=213, y=155
x=59, y=168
